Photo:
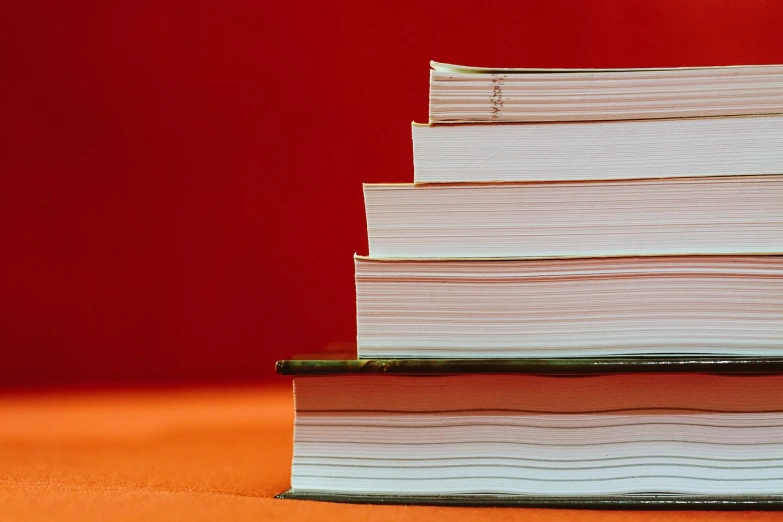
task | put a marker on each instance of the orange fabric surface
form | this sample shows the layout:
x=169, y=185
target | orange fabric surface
x=193, y=455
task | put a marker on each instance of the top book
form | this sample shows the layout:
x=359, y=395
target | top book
x=461, y=94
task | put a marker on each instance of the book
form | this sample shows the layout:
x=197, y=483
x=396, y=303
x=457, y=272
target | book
x=722, y=215
x=578, y=307
x=460, y=94
x=682, y=147
x=421, y=436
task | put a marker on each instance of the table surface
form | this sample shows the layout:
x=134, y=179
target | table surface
x=197, y=454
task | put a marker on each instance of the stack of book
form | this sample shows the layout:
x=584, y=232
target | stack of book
x=578, y=302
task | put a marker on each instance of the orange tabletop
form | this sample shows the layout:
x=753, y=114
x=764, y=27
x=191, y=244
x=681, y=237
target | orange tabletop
x=208, y=454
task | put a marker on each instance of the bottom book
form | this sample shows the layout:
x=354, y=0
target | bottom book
x=645, y=437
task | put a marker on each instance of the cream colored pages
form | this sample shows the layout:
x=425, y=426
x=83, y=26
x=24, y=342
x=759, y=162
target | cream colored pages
x=529, y=435
x=466, y=95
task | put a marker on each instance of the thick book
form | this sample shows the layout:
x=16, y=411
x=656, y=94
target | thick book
x=441, y=437
x=722, y=215
x=461, y=94
x=682, y=147
x=578, y=307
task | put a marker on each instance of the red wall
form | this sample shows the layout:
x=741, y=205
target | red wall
x=180, y=186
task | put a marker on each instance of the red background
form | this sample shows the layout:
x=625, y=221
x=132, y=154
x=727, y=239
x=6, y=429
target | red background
x=180, y=184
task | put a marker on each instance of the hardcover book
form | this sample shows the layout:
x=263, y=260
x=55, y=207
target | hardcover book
x=410, y=432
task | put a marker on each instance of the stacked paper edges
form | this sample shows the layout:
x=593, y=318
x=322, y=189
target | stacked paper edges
x=618, y=214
